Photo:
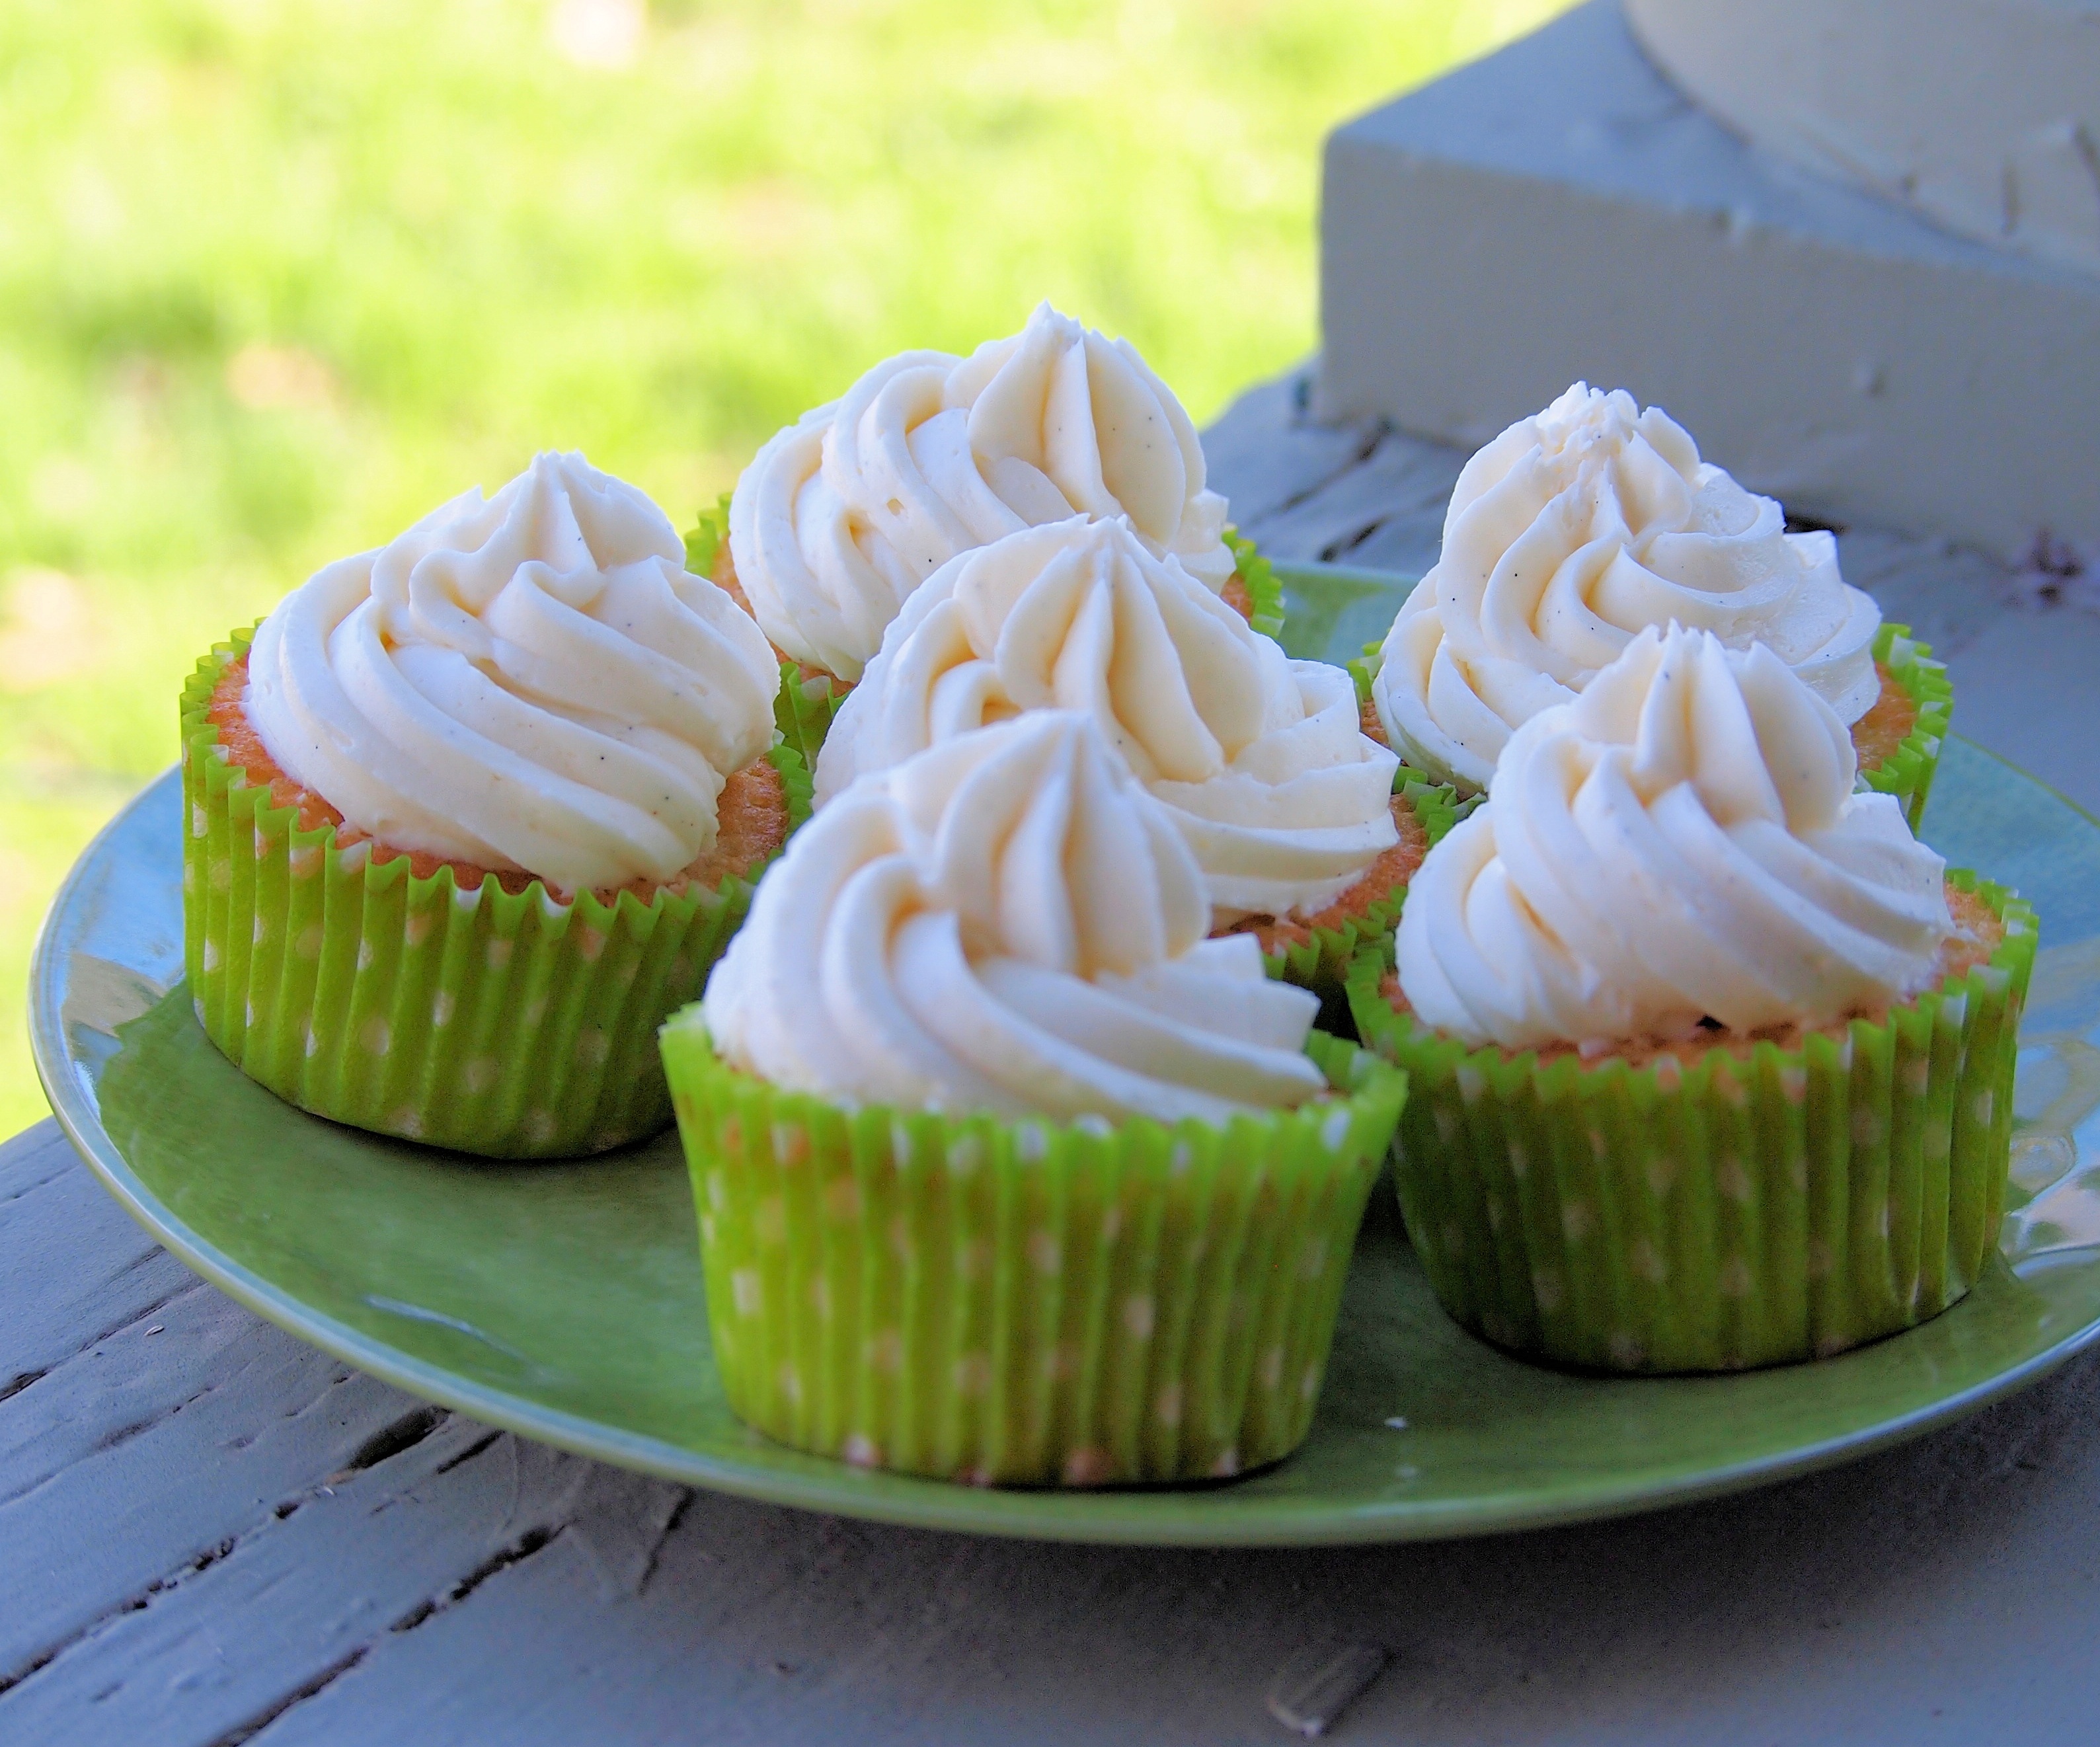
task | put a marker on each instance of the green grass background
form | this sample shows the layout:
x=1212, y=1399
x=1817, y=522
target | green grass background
x=278, y=276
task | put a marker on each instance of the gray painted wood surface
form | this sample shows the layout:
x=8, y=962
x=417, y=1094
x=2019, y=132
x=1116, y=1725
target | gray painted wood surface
x=211, y=1534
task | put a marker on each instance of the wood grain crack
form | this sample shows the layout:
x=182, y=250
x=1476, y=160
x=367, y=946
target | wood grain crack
x=532, y=1542
x=656, y=1547
x=1373, y=435
x=320, y=1683
x=108, y=1440
x=133, y=1318
x=469, y=1453
x=1335, y=550
x=9, y=1682
x=203, y=1561
x=62, y=1162
x=124, y=1434
x=20, y=1381
x=116, y=1632
x=403, y=1434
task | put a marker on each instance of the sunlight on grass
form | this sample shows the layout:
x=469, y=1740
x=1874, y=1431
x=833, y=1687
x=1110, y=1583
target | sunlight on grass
x=275, y=278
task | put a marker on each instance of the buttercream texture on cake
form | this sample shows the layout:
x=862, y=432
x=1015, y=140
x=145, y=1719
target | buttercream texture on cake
x=1006, y=923
x=1258, y=758
x=527, y=682
x=846, y=512
x=1680, y=847
x=1568, y=534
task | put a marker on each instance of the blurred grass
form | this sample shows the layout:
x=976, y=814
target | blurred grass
x=277, y=275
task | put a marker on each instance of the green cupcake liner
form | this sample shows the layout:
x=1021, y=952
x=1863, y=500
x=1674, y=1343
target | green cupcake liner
x=1748, y=1211
x=1907, y=773
x=808, y=698
x=512, y=1024
x=804, y=709
x=703, y=538
x=1322, y=963
x=1363, y=669
x=1029, y=1303
x=1265, y=592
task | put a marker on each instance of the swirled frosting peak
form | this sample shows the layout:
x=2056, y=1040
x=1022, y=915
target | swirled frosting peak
x=1005, y=923
x=1571, y=532
x=529, y=682
x=846, y=512
x=1259, y=759
x=1679, y=843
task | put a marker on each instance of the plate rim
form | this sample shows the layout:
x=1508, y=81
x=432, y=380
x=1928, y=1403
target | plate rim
x=906, y=1501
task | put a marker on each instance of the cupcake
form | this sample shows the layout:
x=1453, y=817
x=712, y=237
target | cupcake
x=1004, y=1172
x=1578, y=528
x=470, y=814
x=847, y=511
x=1711, y=1060
x=1259, y=760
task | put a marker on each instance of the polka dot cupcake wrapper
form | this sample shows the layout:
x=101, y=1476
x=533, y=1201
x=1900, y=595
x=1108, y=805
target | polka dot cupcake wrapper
x=1907, y=773
x=1748, y=1211
x=512, y=1024
x=1026, y=1303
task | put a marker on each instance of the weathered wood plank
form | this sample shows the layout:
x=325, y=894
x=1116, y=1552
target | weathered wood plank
x=169, y=1445
x=1265, y=456
x=77, y=1266
x=1398, y=489
x=310, y=1588
x=36, y=1155
x=1856, y=1605
x=150, y=1418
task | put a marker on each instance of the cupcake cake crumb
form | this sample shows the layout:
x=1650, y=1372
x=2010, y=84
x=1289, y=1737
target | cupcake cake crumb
x=1394, y=868
x=751, y=811
x=1877, y=735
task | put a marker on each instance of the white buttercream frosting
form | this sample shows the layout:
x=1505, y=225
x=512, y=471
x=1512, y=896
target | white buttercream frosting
x=1008, y=923
x=526, y=682
x=1681, y=842
x=843, y=515
x=1259, y=759
x=1566, y=536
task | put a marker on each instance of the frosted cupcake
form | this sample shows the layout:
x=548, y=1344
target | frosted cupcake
x=1259, y=760
x=1578, y=528
x=1712, y=1060
x=1004, y=1172
x=847, y=511
x=472, y=813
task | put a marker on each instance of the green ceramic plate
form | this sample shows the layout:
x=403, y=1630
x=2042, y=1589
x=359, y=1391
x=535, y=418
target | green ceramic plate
x=565, y=1301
